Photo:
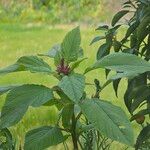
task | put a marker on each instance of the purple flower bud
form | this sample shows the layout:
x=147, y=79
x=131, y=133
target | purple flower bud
x=62, y=68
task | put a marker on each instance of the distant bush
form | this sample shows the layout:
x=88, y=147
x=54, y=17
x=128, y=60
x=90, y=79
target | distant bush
x=54, y=11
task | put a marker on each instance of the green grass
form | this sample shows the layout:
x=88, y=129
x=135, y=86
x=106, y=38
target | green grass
x=18, y=40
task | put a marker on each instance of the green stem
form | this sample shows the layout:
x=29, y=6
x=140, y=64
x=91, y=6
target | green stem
x=73, y=134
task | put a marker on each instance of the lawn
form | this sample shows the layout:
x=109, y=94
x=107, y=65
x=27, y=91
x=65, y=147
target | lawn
x=17, y=40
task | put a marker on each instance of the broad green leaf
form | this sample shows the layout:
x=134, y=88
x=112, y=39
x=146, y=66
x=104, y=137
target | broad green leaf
x=97, y=38
x=138, y=95
x=53, y=51
x=42, y=138
x=109, y=120
x=34, y=64
x=132, y=87
x=103, y=51
x=19, y=99
x=122, y=62
x=143, y=30
x=4, y=89
x=127, y=100
x=12, y=68
x=71, y=45
x=118, y=16
x=27, y=63
x=142, y=137
x=128, y=75
x=73, y=86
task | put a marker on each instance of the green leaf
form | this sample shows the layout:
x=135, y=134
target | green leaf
x=27, y=63
x=107, y=71
x=118, y=16
x=42, y=138
x=142, y=30
x=122, y=62
x=57, y=58
x=127, y=100
x=53, y=51
x=133, y=40
x=63, y=96
x=73, y=86
x=130, y=93
x=4, y=89
x=115, y=86
x=103, y=51
x=67, y=113
x=19, y=99
x=52, y=102
x=128, y=75
x=11, y=68
x=97, y=38
x=138, y=95
x=71, y=45
x=130, y=30
x=103, y=27
x=34, y=64
x=142, y=137
x=112, y=31
x=109, y=120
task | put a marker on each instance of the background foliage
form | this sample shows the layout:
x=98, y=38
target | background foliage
x=58, y=11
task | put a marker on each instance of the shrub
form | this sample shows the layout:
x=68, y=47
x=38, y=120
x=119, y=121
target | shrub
x=135, y=41
x=89, y=121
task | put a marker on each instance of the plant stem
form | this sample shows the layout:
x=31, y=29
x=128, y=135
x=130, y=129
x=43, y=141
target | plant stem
x=73, y=134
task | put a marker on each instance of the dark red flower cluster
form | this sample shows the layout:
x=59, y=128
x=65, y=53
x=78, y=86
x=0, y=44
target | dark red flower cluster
x=62, y=68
